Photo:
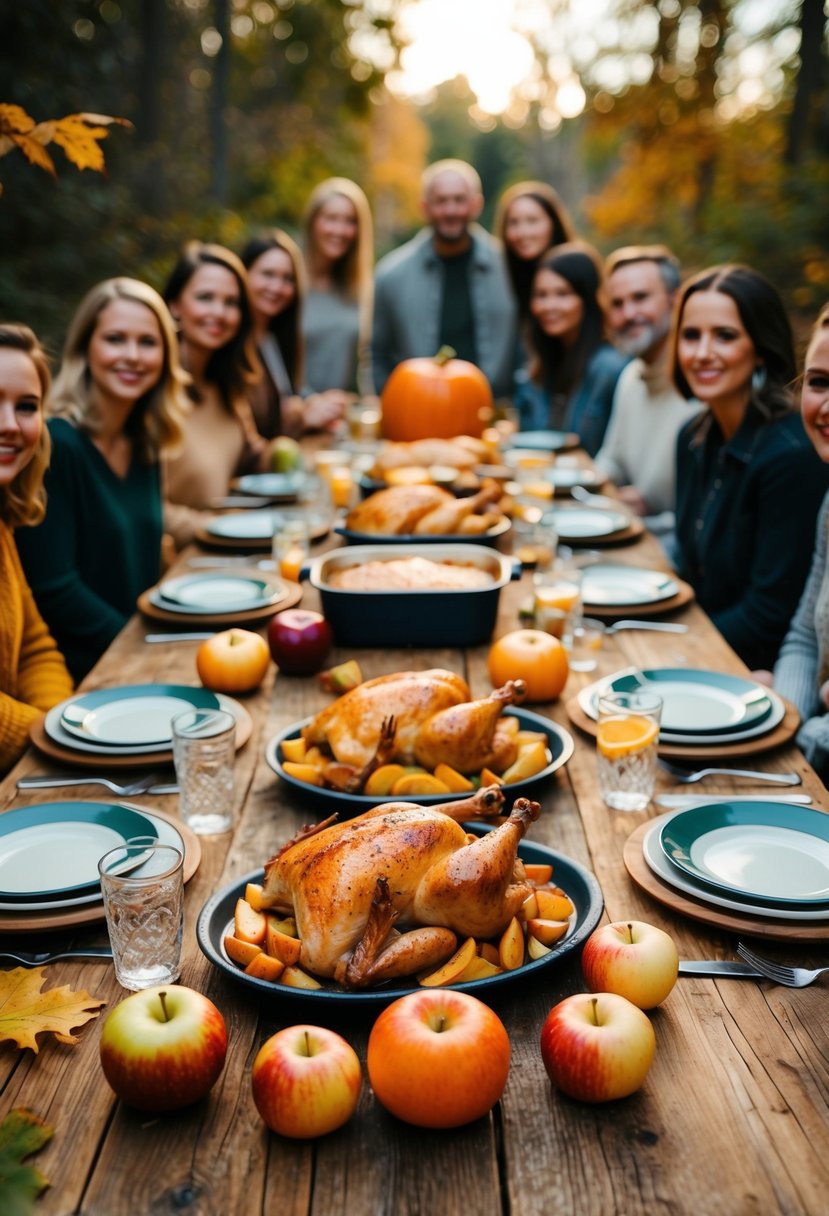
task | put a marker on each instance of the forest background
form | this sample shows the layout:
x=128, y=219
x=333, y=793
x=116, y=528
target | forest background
x=703, y=125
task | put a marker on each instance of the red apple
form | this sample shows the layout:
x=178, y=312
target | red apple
x=633, y=959
x=163, y=1048
x=233, y=661
x=299, y=640
x=597, y=1047
x=438, y=1058
x=306, y=1081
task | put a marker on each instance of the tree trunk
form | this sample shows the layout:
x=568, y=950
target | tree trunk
x=218, y=103
x=151, y=191
x=809, y=79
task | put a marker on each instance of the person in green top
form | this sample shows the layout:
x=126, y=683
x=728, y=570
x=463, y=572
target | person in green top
x=117, y=402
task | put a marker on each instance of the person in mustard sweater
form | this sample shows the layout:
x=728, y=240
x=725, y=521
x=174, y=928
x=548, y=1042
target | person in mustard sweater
x=117, y=403
x=33, y=675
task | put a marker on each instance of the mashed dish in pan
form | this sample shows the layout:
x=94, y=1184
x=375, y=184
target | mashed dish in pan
x=409, y=574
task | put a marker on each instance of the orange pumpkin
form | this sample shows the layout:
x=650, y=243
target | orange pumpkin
x=435, y=399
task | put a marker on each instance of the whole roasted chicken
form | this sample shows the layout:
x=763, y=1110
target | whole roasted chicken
x=462, y=452
x=434, y=718
x=425, y=511
x=349, y=884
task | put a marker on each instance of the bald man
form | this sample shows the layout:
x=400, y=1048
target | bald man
x=448, y=286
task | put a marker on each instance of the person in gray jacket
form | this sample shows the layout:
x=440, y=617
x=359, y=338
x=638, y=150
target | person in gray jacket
x=447, y=286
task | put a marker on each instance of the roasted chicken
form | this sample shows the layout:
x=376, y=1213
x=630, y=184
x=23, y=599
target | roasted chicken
x=462, y=452
x=347, y=885
x=424, y=510
x=435, y=720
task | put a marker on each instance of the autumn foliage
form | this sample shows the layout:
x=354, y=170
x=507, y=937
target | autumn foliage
x=78, y=135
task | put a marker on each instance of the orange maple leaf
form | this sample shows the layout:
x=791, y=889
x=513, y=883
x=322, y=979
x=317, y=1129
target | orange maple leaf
x=26, y=1011
x=79, y=136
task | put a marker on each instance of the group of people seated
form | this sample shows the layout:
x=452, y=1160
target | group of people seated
x=681, y=391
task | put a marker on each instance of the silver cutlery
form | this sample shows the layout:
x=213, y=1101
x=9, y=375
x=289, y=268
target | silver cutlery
x=688, y=777
x=789, y=977
x=655, y=626
x=717, y=967
x=178, y=637
x=144, y=785
x=684, y=801
x=38, y=960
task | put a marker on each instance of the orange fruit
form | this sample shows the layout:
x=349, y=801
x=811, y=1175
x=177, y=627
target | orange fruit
x=533, y=656
x=623, y=735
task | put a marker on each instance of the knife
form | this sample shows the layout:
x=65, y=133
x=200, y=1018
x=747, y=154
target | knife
x=674, y=801
x=716, y=967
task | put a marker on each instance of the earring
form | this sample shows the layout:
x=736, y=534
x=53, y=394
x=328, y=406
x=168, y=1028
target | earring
x=759, y=378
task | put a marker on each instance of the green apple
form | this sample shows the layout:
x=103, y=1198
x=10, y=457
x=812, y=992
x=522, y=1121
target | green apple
x=163, y=1048
x=286, y=455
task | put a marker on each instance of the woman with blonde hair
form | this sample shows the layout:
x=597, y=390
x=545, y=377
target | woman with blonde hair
x=207, y=295
x=336, y=324
x=117, y=404
x=530, y=219
x=33, y=675
x=276, y=285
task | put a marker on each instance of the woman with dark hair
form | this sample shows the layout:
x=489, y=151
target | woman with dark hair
x=276, y=285
x=208, y=297
x=574, y=370
x=749, y=484
x=530, y=219
x=33, y=675
x=117, y=404
x=802, y=670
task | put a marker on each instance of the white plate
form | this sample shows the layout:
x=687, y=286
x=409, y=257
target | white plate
x=613, y=586
x=582, y=523
x=246, y=525
x=216, y=593
x=56, y=732
x=136, y=715
x=662, y=868
x=167, y=834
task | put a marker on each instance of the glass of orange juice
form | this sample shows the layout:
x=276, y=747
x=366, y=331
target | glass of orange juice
x=291, y=545
x=557, y=598
x=626, y=748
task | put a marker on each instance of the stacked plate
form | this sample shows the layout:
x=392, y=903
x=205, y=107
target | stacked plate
x=131, y=720
x=279, y=487
x=578, y=525
x=761, y=858
x=49, y=854
x=700, y=708
x=623, y=587
x=215, y=594
x=544, y=441
x=255, y=529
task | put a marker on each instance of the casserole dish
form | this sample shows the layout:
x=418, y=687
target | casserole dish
x=444, y=617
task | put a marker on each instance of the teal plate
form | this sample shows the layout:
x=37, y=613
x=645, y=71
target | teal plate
x=54, y=848
x=271, y=485
x=216, y=920
x=216, y=593
x=763, y=851
x=131, y=716
x=700, y=702
x=545, y=441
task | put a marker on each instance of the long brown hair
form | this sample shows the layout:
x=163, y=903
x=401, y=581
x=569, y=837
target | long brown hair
x=286, y=327
x=24, y=500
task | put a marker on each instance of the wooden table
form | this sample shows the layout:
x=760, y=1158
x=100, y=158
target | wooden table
x=732, y=1118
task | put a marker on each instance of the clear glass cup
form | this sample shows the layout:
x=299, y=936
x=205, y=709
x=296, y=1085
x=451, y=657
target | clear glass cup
x=626, y=748
x=143, y=888
x=583, y=641
x=534, y=543
x=291, y=544
x=204, y=751
x=364, y=418
x=557, y=598
x=343, y=486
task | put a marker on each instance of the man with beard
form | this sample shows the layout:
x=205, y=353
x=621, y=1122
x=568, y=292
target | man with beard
x=639, y=448
x=447, y=286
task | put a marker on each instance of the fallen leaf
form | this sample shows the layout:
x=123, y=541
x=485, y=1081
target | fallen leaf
x=26, y=1012
x=21, y=1134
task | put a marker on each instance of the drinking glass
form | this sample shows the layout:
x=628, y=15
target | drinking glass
x=204, y=751
x=557, y=598
x=143, y=888
x=583, y=641
x=364, y=418
x=626, y=748
x=291, y=545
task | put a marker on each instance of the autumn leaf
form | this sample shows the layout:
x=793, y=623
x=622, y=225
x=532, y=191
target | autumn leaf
x=26, y=1012
x=79, y=135
x=21, y=1134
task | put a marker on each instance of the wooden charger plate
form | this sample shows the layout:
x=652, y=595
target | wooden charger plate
x=623, y=537
x=235, y=544
x=709, y=751
x=292, y=595
x=684, y=596
x=56, y=751
x=720, y=918
x=69, y=918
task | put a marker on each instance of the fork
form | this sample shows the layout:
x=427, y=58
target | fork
x=38, y=960
x=134, y=787
x=688, y=778
x=790, y=977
